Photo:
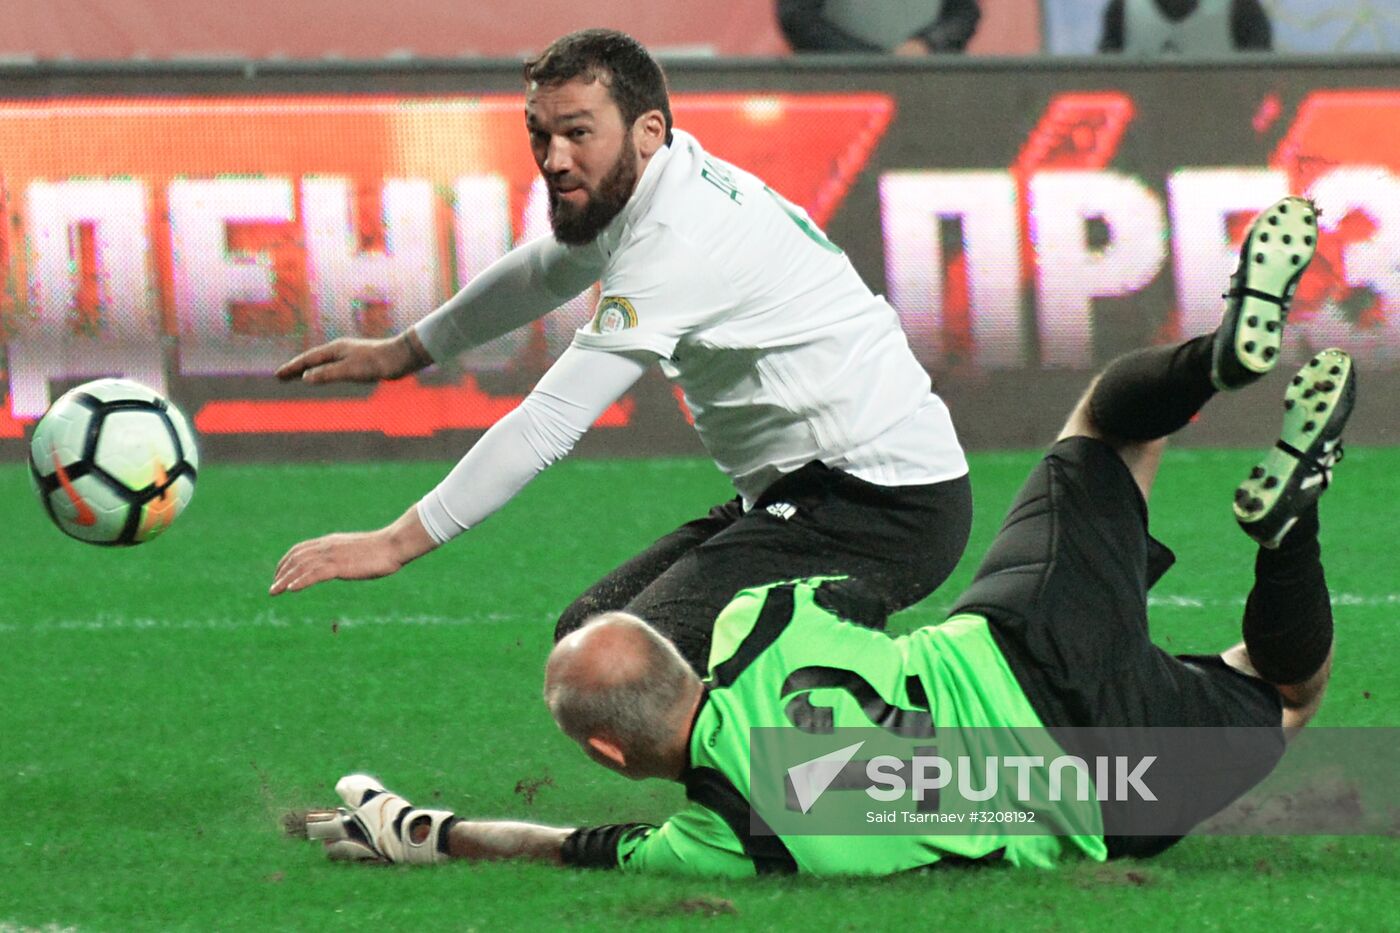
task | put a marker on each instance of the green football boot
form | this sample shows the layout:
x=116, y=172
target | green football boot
x=1299, y=467
x=1276, y=251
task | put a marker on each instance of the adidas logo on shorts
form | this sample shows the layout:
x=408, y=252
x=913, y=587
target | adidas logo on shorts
x=783, y=510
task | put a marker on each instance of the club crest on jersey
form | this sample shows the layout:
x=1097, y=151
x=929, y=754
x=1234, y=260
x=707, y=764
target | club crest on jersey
x=614, y=314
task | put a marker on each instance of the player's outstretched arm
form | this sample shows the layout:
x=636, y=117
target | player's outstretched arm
x=362, y=555
x=570, y=397
x=578, y=388
x=521, y=286
x=381, y=826
x=351, y=359
x=506, y=839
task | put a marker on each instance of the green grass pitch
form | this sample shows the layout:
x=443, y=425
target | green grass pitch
x=158, y=711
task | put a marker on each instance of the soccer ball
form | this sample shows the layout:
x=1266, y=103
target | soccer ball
x=113, y=462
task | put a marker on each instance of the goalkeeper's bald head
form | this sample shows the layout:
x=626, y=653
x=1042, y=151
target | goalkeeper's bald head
x=623, y=692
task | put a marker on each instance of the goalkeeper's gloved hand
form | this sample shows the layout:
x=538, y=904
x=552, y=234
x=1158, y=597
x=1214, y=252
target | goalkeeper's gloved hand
x=380, y=826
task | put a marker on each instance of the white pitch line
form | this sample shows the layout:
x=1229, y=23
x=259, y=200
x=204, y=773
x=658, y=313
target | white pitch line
x=1171, y=601
x=115, y=623
x=108, y=622
x=1338, y=599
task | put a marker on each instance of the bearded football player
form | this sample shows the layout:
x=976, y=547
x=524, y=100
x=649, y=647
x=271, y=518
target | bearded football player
x=801, y=382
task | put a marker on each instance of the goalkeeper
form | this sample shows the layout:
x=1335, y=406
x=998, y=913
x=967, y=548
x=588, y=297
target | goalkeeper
x=801, y=383
x=1052, y=633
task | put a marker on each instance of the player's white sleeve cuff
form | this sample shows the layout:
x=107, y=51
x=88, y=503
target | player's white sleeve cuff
x=437, y=521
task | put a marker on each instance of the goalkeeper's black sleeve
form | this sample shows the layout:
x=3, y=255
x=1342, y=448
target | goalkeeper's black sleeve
x=596, y=846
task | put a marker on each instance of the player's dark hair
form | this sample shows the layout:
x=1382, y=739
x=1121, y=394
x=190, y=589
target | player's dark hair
x=634, y=80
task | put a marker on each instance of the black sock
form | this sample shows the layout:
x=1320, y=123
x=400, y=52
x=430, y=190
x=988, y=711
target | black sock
x=1288, y=617
x=1153, y=392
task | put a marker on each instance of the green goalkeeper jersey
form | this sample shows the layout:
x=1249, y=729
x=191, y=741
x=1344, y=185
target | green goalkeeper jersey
x=780, y=660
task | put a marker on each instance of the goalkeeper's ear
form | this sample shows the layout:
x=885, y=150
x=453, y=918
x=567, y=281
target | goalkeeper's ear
x=608, y=754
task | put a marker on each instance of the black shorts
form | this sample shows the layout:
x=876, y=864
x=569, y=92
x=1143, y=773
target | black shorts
x=1064, y=589
x=901, y=542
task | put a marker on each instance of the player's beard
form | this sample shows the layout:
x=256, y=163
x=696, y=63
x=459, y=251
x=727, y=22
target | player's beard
x=578, y=226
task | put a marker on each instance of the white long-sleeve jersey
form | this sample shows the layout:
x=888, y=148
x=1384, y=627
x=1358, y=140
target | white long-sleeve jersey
x=783, y=354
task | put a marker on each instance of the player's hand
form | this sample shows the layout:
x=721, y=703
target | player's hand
x=379, y=826
x=352, y=359
x=361, y=555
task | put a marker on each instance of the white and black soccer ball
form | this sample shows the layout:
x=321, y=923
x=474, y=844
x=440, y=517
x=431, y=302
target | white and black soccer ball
x=113, y=462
